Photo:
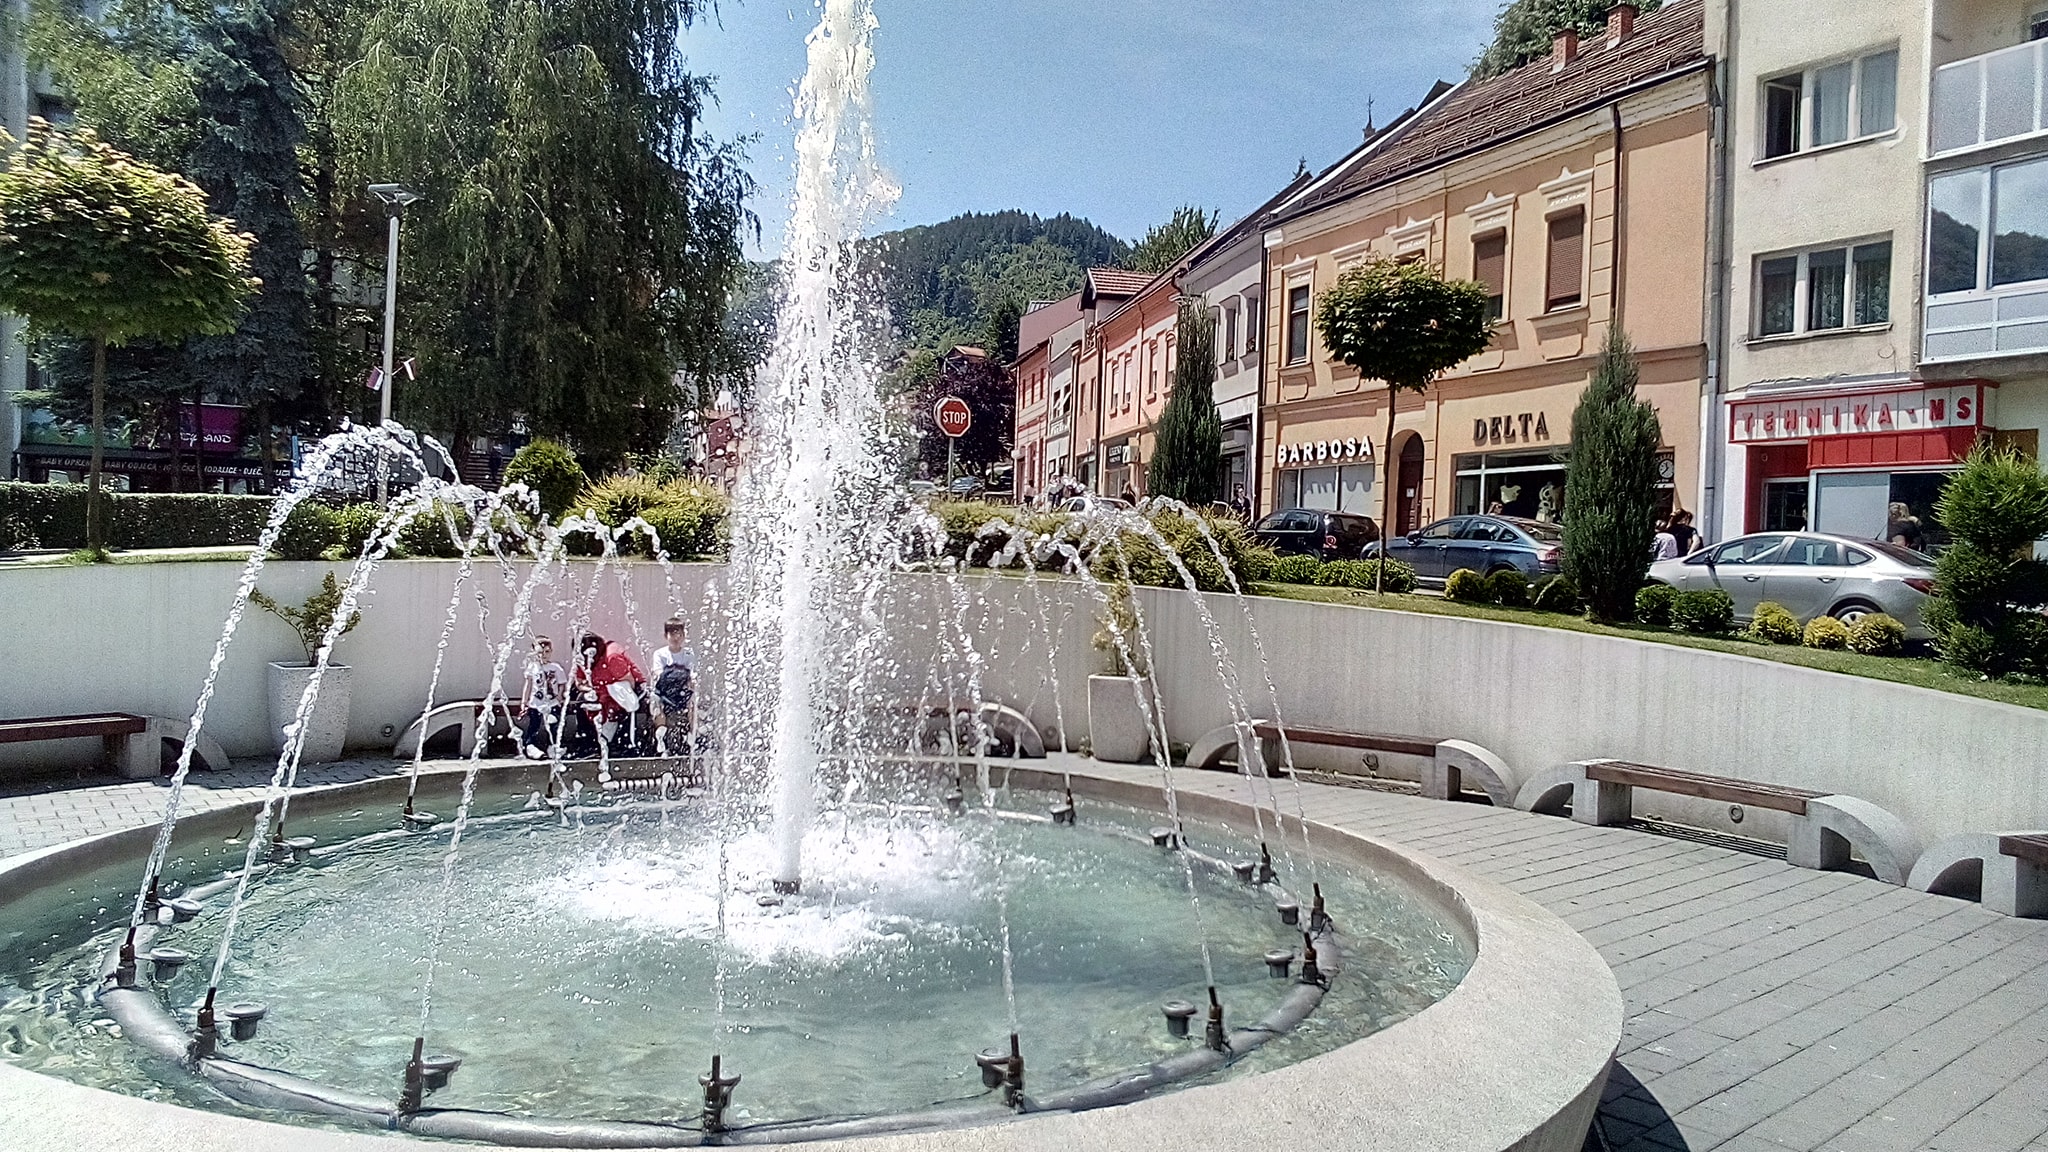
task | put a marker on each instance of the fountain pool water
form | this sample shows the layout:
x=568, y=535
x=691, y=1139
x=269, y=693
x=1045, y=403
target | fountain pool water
x=578, y=976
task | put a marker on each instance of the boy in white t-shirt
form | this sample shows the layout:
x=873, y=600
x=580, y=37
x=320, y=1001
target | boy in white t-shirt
x=675, y=687
x=540, y=701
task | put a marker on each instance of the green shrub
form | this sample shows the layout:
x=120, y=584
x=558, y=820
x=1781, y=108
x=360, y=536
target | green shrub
x=1653, y=604
x=689, y=515
x=1774, y=624
x=310, y=530
x=1704, y=612
x=353, y=527
x=1877, y=635
x=429, y=533
x=1508, y=588
x=1401, y=578
x=1827, y=633
x=1467, y=587
x=1558, y=594
x=550, y=469
x=53, y=516
x=1989, y=587
x=1297, y=568
x=1346, y=574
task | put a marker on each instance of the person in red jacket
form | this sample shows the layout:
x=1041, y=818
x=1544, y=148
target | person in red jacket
x=610, y=685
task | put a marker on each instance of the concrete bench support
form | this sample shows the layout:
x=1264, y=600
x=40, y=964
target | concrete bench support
x=1592, y=801
x=1955, y=865
x=1225, y=743
x=1459, y=762
x=141, y=759
x=1833, y=825
x=459, y=714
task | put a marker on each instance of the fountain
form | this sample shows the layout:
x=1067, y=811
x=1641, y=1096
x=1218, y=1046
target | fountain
x=868, y=899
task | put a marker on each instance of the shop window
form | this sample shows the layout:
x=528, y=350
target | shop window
x=1527, y=485
x=1297, y=324
x=1833, y=104
x=1565, y=275
x=2008, y=206
x=1345, y=488
x=1841, y=287
x=1490, y=269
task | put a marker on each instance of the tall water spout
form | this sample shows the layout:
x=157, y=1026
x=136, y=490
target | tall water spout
x=817, y=432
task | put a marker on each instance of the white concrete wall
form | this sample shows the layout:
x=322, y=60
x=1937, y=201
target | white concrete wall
x=1541, y=696
x=137, y=638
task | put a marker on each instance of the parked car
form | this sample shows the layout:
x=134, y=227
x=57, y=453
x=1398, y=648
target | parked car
x=921, y=489
x=1811, y=575
x=1080, y=504
x=966, y=486
x=1329, y=535
x=1485, y=544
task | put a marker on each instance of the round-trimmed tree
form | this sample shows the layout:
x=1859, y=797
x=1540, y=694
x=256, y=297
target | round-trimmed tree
x=98, y=246
x=1187, y=463
x=1398, y=321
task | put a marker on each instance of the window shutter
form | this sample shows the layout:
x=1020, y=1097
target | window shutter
x=1490, y=263
x=1567, y=260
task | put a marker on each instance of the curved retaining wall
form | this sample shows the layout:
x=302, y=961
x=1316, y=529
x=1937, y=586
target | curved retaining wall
x=1513, y=1060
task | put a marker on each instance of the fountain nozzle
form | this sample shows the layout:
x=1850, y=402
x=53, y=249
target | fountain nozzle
x=243, y=1018
x=415, y=1092
x=1266, y=873
x=1318, y=919
x=1178, y=1014
x=1278, y=962
x=1063, y=812
x=788, y=887
x=717, y=1094
x=124, y=965
x=165, y=962
x=1165, y=838
x=1013, y=1078
x=1290, y=912
x=1310, y=972
x=1246, y=870
x=956, y=802
x=1213, y=1036
x=206, y=1038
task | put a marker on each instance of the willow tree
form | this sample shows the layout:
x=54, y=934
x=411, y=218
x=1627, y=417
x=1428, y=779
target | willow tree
x=579, y=237
x=98, y=246
x=1398, y=321
x=1187, y=463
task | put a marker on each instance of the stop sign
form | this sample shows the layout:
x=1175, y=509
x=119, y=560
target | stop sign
x=954, y=416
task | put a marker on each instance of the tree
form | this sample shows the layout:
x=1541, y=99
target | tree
x=1986, y=614
x=578, y=244
x=989, y=393
x=1187, y=461
x=97, y=245
x=1164, y=244
x=1524, y=29
x=1400, y=322
x=1610, y=487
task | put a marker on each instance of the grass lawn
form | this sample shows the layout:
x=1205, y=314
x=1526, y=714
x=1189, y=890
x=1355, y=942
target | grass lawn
x=1917, y=671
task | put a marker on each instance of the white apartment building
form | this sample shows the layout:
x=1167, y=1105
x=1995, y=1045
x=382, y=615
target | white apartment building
x=1859, y=355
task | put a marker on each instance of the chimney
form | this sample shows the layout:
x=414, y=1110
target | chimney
x=1621, y=22
x=1564, y=48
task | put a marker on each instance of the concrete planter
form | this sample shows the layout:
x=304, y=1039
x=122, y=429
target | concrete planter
x=1116, y=725
x=327, y=727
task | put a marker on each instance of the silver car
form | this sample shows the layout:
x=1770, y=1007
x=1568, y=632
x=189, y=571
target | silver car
x=1812, y=575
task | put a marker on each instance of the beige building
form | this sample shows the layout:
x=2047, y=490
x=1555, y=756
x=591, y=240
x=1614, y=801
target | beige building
x=1575, y=188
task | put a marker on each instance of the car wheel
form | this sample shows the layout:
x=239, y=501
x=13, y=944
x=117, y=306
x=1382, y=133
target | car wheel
x=1853, y=612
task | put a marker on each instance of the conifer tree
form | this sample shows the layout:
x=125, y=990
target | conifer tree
x=1187, y=460
x=1610, y=489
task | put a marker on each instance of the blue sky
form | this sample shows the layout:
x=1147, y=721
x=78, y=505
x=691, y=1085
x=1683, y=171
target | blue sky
x=1117, y=110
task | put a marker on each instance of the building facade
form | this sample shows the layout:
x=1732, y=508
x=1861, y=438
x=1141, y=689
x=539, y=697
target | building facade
x=1137, y=347
x=1575, y=189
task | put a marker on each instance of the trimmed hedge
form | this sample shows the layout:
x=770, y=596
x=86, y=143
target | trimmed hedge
x=1297, y=568
x=1877, y=635
x=1703, y=612
x=1558, y=594
x=1467, y=587
x=1775, y=624
x=1653, y=604
x=1827, y=633
x=53, y=516
x=1509, y=588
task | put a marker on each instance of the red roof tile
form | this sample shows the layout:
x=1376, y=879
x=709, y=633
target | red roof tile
x=1118, y=281
x=1481, y=113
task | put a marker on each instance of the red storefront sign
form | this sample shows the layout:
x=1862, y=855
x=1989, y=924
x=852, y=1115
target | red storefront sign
x=1891, y=412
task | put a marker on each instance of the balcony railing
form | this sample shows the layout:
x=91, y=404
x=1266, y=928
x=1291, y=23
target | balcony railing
x=2004, y=321
x=1989, y=99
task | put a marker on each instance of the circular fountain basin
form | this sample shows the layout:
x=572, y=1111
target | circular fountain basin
x=580, y=969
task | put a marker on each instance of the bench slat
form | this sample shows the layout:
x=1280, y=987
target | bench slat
x=2033, y=849
x=1367, y=741
x=1777, y=797
x=71, y=727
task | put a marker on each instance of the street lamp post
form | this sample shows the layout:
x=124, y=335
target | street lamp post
x=394, y=197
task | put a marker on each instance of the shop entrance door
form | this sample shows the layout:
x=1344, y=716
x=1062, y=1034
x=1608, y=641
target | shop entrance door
x=1408, y=493
x=1785, y=505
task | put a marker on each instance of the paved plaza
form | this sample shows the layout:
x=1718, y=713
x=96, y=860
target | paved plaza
x=1769, y=1008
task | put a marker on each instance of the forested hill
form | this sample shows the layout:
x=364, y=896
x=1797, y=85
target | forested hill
x=965, y=280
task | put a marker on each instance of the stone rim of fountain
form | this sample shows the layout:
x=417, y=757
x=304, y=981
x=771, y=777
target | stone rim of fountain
x=1576, y=1005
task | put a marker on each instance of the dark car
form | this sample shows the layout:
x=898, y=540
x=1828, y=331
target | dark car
x=1330, y=535
x=1485, y=544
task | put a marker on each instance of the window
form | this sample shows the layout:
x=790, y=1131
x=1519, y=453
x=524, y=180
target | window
x=1252, y=335
x=2037, y=27
x=1748, y=550
x=1807, y=552
x=1831, y=105
x=1152, y=376
x=1297, y=324
x=1490, y=268
x=1566, y=267
x=1230, y=333
x=1825, y=289
x=1443, y=530
x=2008, y=207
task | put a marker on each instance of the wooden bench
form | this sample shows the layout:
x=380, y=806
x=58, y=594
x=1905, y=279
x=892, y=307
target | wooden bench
x=2007, y=872
x=1449, y=762
x=134, y=744
x=1826, y=826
